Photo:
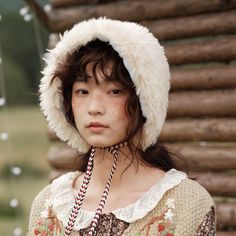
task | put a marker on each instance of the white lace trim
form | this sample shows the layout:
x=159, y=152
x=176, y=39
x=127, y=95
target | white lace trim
x=62, y=199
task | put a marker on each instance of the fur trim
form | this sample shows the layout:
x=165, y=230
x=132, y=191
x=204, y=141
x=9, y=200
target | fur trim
x=144, y=59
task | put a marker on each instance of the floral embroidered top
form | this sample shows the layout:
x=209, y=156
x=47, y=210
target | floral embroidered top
x=175, y=205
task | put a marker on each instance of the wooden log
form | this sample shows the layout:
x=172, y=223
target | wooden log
x=207, y=157
x=218, y=183
x=226, y=214
x=193, y=26
x=52, y=135
x=202, y=103
x=63, y=157
x=62, y=19
x=225, y=233
x=70, y=3
x=54, y=174
x=210, y=77
x=199, y=130
x=218, y=49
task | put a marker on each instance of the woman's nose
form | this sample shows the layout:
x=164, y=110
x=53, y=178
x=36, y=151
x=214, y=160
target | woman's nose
x=96, y=106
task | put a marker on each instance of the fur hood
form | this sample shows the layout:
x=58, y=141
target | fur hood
x=144, y=59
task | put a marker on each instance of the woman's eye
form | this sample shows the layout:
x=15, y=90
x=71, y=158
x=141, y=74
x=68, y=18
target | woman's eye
x=81, y=91
x=116, y=91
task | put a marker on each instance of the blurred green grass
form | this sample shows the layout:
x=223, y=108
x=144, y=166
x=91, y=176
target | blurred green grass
x=26, y=147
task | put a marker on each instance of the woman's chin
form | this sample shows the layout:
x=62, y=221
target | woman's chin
x=102, y=143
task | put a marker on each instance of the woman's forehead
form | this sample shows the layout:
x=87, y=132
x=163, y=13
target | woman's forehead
x=98, y=81
x=97, y=73
x=99, y=68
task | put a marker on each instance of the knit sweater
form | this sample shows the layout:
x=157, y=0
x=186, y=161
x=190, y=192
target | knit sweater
x=175, y=205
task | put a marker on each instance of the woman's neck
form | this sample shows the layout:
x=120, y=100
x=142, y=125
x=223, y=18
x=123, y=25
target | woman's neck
x=127, y=172
x=103, y=161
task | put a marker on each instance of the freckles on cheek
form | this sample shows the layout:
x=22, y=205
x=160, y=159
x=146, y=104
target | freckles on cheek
x=75, y=110
x=74, y=103
x=118, y=106
x=120, y=110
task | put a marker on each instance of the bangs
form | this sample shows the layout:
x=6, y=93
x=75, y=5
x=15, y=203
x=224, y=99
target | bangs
x=101, y=56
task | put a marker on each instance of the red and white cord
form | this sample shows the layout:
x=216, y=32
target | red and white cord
x=81, y=194
x=80, y=197
x=104, y=196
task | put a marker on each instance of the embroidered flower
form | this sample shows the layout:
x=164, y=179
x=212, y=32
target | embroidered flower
x=169, y=215
x=161, y=227
x=162, y=224
x=50, y=227
x=36, y=231
x=39, y=222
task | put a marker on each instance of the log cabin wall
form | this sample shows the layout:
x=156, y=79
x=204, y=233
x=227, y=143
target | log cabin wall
x=200, y=43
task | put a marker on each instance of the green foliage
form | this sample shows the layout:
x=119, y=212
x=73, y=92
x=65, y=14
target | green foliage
x=18, y=91
x=26, y=148
x=28, y=141
x=28, y=170
x=21, y=59
x=27, y=189
x=7, y=211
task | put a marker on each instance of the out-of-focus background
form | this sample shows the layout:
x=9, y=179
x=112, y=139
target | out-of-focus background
x=199, y=38
x=23, y=138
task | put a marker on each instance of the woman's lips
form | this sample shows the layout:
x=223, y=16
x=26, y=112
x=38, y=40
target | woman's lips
x=96, y=126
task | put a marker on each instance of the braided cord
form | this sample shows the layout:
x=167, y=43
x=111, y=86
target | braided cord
x=104, y=196
x=81, y=194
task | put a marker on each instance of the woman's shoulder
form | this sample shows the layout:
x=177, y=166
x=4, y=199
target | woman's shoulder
x=45, y=193
x=65, y=181
x=186, y=193
x=61, y=184
x=180, y=211
x=187, y=200
x=192, y=201
x=54, y=193
x=191, y=191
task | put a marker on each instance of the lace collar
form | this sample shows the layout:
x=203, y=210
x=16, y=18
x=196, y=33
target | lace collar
x=62, y=199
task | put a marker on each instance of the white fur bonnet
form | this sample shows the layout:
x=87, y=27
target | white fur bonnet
x=144, y=59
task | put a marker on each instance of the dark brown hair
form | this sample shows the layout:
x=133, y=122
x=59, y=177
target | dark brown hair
x=100, y=54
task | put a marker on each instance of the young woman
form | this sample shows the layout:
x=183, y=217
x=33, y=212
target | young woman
x=105, y=91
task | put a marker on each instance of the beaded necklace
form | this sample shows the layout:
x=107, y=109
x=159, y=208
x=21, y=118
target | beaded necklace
x=81, y=194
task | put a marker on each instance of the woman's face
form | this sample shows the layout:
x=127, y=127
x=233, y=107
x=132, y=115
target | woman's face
x=99, y=109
